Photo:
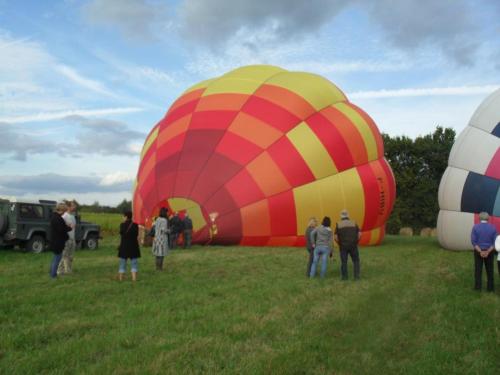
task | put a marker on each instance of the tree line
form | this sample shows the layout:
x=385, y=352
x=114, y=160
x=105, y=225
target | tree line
x=418, y=165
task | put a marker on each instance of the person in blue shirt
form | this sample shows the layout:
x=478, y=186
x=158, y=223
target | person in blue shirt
x=483, y=240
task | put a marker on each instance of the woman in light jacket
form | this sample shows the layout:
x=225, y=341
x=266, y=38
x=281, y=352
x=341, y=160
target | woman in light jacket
x=160, y=242
x=313, y=223
x=322, y=239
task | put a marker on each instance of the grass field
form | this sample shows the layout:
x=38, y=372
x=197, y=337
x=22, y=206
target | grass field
x=110, y=223
x=249, y=311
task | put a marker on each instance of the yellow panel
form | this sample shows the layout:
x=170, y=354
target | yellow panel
x=332, y=196
x=354, y=195
x=307, y=204
x=328, y=197
x=362, y=126
x=254, y=72
x=312, y=150
x=192, y=208
x=149, y=141
x=318, y=91
x=236, y=85
x=375, y=236
x=200, y=85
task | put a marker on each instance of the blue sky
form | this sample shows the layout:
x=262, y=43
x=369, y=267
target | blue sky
x=82, y=82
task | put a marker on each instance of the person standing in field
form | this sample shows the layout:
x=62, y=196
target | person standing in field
x=129, y=246
x=497, y=247
x=160, y=241
x=313, y=223
x=175, y=230
x=66, y=264
x=188, y=231
x=347, y=235
x=58, y=237
x=322, y=242
x=483, y=240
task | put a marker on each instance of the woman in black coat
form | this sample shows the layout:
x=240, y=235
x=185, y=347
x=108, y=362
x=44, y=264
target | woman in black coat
x=58, y=237
x=129, y=246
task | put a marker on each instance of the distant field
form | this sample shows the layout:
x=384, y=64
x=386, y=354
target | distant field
x=110, y=223
x=230, y=310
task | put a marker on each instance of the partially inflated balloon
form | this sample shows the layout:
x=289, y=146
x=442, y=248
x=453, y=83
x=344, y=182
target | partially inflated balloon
x=471, y=183
x=253, y=154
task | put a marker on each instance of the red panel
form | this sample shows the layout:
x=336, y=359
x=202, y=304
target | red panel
x=244, y=189
x=290, y=162
x=199, y=145
x=270, y=113
x=371, y=190
x=237, y=148
x=229, y=229
x=282, y=241
x=283, y=216
x=172, y=147
x=179, y=112
x=333, y=141
x=391, y=182
x=165, y=185
x=184, y=181
x=221, y=202
x=212, y=119
x=494, y=166
x=214, y=175
x=254, y=241
x=186, y=98
x=202, y=236
x=300, y=242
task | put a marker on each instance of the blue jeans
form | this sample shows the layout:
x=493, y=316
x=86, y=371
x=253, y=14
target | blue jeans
x=322, y=251
x=55, y=264
x=134, y=265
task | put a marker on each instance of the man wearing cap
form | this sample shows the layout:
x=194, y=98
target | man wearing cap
x=483, y=240
x=347, y=235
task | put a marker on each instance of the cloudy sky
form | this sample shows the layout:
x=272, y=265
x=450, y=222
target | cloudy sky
x=82, y=82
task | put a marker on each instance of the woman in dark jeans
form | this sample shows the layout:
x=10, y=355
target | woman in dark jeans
x=129, y=246
x=58, y=237
x=313, y=223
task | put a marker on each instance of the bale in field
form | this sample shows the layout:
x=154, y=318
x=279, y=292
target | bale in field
x=406, y=231
x=425, y=232
x=434, y=232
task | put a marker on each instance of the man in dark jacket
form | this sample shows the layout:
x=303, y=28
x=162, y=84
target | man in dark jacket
x=188, y=231
x=176, y=229
x=58, y=237
x=347, y=235
x=483, y=240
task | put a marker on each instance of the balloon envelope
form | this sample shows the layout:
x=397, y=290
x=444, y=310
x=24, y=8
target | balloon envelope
x=471, y=183
x=253, y=154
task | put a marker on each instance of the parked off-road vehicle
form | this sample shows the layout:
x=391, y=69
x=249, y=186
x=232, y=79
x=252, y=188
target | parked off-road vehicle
x=27, y=224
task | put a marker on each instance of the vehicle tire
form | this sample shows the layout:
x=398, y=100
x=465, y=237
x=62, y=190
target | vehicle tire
x=92, y=242
x=4, y=223
x=36, y=244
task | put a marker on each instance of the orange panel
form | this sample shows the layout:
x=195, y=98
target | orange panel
x=350, y=134
x=231, y=102
x=186, y=99
x=254, y=130
x=256, y=220
x=174, y=129
x=385, y=203
x=267, y=175
x=287, y=99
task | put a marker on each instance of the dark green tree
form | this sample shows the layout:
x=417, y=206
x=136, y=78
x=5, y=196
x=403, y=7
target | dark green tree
x=418, y=166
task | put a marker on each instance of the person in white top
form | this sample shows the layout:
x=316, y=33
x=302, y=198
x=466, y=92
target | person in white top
x=66, y=265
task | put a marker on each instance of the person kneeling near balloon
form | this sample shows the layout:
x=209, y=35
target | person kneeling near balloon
x=322, y=242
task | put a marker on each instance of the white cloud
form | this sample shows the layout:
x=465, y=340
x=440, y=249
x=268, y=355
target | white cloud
x=431, y=91
x=117, y=178
x=49, y=116
x=77, y=78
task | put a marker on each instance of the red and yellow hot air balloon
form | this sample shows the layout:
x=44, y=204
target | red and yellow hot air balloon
x=253, y=154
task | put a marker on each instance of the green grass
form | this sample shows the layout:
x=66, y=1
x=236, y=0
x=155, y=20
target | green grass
x=229, y=310
x=110, y=223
